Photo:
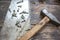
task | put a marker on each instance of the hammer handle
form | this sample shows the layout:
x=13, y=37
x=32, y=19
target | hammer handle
x=35, y=29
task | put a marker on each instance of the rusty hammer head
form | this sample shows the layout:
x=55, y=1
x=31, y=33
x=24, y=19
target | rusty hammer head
x=53, y=19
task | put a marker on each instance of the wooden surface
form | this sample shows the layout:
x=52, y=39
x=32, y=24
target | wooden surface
x=49, y=32
x=35, y=29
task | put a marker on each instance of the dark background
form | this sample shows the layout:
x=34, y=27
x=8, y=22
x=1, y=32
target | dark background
x=4, y=4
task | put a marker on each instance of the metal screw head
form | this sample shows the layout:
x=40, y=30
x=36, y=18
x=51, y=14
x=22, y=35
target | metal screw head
x=20, y=1
x=24, y=12
x=22, y=17
x=14, y=14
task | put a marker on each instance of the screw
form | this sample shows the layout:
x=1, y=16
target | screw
x=14, y=14
x=24, y=12
x=18, y=10
x=17, y=24
x=20, y=6
x=20, y=1
x=22, y=17
x=23, y=21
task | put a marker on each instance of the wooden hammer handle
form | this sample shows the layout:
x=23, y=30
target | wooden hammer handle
x=35, y=29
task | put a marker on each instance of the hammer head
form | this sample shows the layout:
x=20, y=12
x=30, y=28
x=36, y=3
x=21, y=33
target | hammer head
x=52, y=18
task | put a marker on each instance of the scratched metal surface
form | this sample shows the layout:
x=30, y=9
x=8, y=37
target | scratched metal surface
x=12, y=30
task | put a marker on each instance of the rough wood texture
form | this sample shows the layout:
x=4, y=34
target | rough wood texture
x=50, y=31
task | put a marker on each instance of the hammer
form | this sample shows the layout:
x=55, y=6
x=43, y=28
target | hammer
x=48, y=17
